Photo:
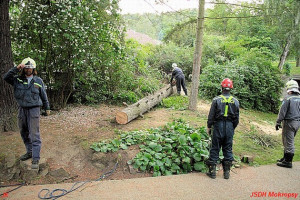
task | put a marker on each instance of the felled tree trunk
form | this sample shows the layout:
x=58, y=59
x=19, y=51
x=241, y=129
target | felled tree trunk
x=143, y=105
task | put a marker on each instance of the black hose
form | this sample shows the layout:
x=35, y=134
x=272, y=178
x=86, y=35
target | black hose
x=19, y=186
x=63, y=192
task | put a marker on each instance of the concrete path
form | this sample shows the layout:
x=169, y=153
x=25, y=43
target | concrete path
x=264, y=182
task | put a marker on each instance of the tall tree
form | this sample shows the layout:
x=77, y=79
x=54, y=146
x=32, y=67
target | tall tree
x=8, y=109
x=287, y=18
x=197, y=57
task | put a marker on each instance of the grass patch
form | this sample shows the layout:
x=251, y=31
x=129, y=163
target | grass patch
x=259, y=116
x=251, y=144
x=176, y=102
x=294, y=70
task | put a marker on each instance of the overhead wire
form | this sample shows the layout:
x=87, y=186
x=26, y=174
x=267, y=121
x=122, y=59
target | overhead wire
x=217, y=3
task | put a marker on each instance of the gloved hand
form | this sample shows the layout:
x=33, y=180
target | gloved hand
x=47, y=112
x=277, y=127
x=173, y=82
x=209, y=131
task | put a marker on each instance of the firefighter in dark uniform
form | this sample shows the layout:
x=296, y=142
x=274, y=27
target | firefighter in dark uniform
x=290, y=115
x=224, y=118
x=179, y=77
x=30, y=94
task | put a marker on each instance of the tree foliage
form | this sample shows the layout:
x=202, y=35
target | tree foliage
x=79, y=48
x=255, y=85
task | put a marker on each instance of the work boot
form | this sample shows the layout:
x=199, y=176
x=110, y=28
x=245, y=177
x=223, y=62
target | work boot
x=226, y=168
x=178, y=93
x=26, y=156
x=281, y=159
x=35, y=164
x=211, y=169
x=287, y=162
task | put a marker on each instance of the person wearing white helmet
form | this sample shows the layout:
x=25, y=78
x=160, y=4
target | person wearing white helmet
x=289, y=114
x=30, y=94
x=179, y=77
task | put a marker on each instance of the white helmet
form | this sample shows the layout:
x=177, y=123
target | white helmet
x=292, y=86
x=174, y=65
x=29, y=63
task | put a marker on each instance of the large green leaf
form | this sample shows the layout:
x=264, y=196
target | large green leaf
x=197, y=156
x=186, y=160
x=195, y=137
x=199, y=166
x=182, y=139
x=152, y=145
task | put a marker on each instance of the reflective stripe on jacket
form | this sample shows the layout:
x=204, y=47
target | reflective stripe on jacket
x=290, y=108
x=31, y=94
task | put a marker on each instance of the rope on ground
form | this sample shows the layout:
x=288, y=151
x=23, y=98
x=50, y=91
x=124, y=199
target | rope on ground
x=62, y=192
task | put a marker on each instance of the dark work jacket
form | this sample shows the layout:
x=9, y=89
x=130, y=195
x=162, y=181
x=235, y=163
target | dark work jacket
x=176, y=73
x=217, y=111
x=290, y=108
x=28, y=95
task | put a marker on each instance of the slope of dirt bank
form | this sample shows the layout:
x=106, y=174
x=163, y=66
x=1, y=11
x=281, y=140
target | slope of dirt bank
x=67, y=135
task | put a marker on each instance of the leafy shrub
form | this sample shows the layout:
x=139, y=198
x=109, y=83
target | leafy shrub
x=126, y=96
x=166, y=54
x=256, y=87
x=287, y=68
x=176, y=102
x=173, y=149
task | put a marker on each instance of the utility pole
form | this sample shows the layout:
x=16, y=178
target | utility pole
x=197, y=57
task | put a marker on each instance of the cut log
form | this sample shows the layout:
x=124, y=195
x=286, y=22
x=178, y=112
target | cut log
x=143, y=105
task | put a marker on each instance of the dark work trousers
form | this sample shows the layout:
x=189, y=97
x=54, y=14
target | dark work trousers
x=180, y=82
x=222, y=137
x=289, y=130
x=29, y=124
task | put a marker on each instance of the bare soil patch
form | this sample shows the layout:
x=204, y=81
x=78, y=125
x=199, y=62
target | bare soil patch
x=68, y=134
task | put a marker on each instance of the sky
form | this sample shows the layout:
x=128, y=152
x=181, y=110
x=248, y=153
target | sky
x=149, y=6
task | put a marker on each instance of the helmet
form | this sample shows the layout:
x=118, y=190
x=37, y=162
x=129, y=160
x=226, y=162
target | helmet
x=174, y=65
x=29, y=63
x=227, y=84
x=292, y=86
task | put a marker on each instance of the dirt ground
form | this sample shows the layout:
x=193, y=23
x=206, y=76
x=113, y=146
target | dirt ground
x=68, y=134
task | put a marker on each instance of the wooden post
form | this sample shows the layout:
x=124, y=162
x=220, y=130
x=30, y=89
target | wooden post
x=197, y=57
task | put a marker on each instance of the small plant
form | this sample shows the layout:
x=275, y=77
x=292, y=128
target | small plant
x=173, y=149
x=287, y=68
x=176, y=102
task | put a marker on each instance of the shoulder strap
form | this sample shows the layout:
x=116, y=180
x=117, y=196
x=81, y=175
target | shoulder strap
x=226, y=101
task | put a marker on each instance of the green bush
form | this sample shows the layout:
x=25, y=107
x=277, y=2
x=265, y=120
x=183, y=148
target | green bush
x=173, y=149
x=287, y=68
x=256, y=87
x=166, y=54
